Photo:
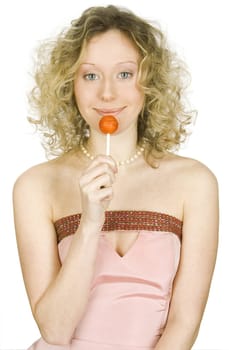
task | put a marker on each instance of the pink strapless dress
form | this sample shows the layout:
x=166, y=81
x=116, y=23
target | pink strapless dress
x=130, y=295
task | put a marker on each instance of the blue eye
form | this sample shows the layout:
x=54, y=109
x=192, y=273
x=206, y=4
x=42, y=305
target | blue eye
x=125, y=75
x=91, y=76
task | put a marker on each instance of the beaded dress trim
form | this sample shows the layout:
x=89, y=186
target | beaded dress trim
x=125, y=220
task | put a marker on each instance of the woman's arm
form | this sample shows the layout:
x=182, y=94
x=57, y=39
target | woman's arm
x=198, y=255
x=58, y=293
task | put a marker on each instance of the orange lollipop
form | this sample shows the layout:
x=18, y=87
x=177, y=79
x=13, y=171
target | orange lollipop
x=108, y=125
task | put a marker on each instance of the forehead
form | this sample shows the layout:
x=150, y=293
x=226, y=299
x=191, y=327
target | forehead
x=112, y=45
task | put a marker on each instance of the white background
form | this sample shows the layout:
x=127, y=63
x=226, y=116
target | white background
x=199, y=31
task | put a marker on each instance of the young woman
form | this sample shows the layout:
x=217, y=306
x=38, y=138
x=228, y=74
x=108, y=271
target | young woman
x=117, y=251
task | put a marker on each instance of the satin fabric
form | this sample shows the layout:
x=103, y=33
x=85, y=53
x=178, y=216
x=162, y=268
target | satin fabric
x=129, y=296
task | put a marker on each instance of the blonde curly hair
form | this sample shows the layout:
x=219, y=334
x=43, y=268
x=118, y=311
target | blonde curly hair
x=163, y=121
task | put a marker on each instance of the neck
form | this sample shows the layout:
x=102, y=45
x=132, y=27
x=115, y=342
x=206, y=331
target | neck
x=122, y=146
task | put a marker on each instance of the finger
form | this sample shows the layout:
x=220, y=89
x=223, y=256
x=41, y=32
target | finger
x=98, y=194
x=105, y=180
x=100, y=159
x=105, y=194
x=96, y=172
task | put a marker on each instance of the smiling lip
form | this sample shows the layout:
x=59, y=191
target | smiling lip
x=107, y=111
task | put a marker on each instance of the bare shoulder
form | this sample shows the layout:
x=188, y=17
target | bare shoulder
x=49, y=186
x=31, y=193
x=194, y=183
x=33, y=178
x=47, y=175
x=191, y=172
x=198, y=188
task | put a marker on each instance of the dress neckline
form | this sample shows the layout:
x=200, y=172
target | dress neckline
x=123, y=220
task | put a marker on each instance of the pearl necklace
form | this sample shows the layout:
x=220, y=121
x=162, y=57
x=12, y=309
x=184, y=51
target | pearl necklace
x=128, y=161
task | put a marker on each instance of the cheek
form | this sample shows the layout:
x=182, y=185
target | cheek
x=81, y=97
x=76, y=93
x=135, y=94
x=139, y=100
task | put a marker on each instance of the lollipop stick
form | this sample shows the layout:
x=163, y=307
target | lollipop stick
x=108, y=139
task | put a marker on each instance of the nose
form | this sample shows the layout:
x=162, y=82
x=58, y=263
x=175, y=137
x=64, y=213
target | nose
x=107, y=90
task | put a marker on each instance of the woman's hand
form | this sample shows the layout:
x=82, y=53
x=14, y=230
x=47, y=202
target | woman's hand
x=96, y=189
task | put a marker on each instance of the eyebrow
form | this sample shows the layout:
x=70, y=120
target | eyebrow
x=118, y=63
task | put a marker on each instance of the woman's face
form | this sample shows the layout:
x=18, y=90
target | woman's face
x=106, y=82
